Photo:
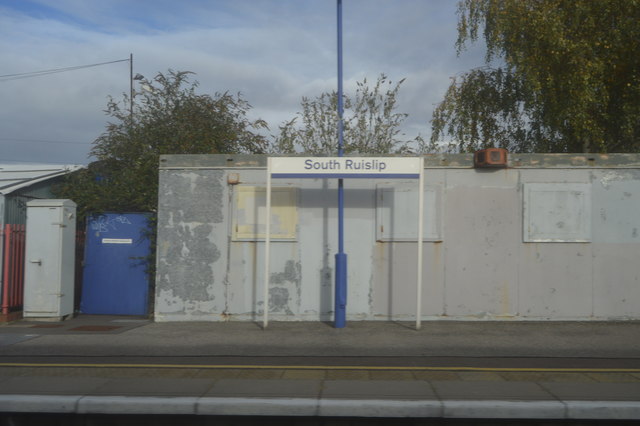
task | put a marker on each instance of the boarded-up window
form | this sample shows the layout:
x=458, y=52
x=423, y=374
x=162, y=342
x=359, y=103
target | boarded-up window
x=557, y=212
x=397, y=213
x=250, y=210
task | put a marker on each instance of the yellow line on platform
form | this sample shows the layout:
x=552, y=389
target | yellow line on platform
x=323, y=367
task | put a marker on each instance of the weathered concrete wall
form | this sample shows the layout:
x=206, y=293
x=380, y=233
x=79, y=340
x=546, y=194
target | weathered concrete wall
x=503, y=244
x=190, y=215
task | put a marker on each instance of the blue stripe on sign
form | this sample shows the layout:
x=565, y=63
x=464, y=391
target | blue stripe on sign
x=346, y=175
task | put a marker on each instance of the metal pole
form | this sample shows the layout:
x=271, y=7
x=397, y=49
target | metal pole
x=420, y=231
x=267, y=252
x=131, y=84
x=341, y=257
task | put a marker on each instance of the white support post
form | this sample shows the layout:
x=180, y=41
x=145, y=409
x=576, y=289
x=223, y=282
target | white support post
x=420, y=232
x=267, y=253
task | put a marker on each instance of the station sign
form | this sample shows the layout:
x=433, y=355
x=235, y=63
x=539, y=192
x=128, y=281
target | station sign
x=346, y=167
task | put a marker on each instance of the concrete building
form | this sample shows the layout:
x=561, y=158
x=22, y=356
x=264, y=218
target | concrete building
x=550, y=237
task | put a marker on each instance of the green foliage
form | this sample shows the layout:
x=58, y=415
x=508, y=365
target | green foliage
x=568, y=78
x=370, y=123
x=169, y=117
x=483, y=110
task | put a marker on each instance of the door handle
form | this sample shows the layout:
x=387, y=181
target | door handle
x=38, y=261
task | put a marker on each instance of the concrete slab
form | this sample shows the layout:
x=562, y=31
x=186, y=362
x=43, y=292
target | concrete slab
x=136, y=405
x=218, y=374
x=79, y=325
x=480, y=376
x=39, y=403
x=436, y=375
x=231, y=388
x=597, y=391
x=257, y=406
x=612, y=377
x=7, y=339
x=491, y=390
x=379, y=408
x=540, y=376
x=270, y=374
x=348, y=375
x=304, y=375
x=30, y=385
x=612, y=410
x=391, y=375
x=500, y=409
x=378, y=390
x=154, y=386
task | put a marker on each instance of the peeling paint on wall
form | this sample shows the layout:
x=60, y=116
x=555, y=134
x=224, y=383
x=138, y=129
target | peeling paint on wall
x=608, y=177
x=190, y=204
x=283, y=286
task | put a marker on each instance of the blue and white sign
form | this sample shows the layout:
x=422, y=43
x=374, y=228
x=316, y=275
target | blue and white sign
x=346, y=167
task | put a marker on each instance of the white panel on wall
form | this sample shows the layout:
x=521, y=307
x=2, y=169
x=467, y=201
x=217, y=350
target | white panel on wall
x=249, y=206
x=397, y=213
x=557, y=212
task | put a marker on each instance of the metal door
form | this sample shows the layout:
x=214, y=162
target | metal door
x=115, y=280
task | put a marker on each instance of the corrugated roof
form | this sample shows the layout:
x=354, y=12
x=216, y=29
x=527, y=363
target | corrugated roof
x=14, y=177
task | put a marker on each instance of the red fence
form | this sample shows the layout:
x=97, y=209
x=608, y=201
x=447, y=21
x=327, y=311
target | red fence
x=13, y=267
x=12, y=238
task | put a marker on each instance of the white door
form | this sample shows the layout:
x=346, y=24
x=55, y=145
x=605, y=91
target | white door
x=42, y=266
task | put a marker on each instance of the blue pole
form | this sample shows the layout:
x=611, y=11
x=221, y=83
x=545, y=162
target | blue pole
x=341, y=257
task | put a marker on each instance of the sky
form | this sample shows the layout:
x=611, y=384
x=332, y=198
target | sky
x=273, y=52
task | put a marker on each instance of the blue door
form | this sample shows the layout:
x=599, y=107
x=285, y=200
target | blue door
x=115, y=280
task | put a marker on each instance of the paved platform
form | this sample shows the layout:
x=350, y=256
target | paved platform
x=115, y=365
x=135, y=392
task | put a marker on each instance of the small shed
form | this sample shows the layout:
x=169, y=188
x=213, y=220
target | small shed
x=25, y=182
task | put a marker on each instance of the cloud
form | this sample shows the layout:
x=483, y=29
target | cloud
x=273, y=51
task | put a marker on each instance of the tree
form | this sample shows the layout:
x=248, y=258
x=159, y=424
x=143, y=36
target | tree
x=170, y=118
x=567, y=77
x=370, y=123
